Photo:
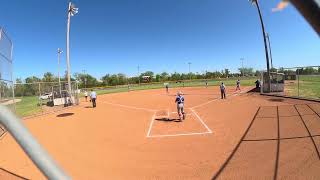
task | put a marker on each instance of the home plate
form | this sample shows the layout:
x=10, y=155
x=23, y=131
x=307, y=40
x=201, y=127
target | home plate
x=170, y=125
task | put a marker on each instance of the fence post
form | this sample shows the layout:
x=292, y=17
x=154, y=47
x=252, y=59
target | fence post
x=40, y=100
x=298, y=83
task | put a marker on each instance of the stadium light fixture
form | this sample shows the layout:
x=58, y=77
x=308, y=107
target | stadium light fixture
x=72, y=10
x=139, y=74
x=256, y=2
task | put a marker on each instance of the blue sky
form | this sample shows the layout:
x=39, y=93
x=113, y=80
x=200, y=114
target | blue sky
x=111, y=36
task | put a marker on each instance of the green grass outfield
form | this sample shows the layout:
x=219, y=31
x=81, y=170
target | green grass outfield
x=308, y=87
x=29, y=104
x=124, y=88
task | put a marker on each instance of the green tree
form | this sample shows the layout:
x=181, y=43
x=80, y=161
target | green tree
x=122, y=79
x=158, y=77
x=164, y=76
x=86, y=80
x=246, y=71
x=309, y=70
x=105, y=79
x=31, y=86
x=226, y=72
x=48, y=77
x=19, y=88
x=175, y=76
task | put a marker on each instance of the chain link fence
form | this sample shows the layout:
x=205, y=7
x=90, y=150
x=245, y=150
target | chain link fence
x=6, y=80
x=44, y=97
x=299, y=82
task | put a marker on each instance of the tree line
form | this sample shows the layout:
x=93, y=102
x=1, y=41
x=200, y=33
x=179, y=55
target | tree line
x=29, y=86
x=301, y=71
x=87, y=80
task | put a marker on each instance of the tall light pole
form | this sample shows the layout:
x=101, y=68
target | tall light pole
x=268, y=38
x=256, y=2
x=72, y=10
x=59, y=52
x=242, y=71
x=189, y=70
x=139, y=74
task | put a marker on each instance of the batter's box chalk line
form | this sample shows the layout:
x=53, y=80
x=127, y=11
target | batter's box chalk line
x=209, y=131
x=162, y=114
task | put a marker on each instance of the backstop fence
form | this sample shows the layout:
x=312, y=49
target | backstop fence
x=299, y=82
x=8, y=121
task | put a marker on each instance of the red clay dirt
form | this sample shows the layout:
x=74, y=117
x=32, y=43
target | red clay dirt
x=136, y=135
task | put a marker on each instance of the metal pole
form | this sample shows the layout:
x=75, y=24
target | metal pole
x=40, y=100
x=242, y=67
x=77, y=94
x=13, y=95
x=298, y=83
x=189, y=70
x=270, y=50
x=310, y=9
x=52, y=93
x=30, y=146
x=139, y=74
x=265, y=44
x=68, y=52
x=59, y=52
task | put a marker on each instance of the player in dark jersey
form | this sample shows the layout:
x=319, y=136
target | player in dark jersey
x=167, y=88
x=223, y=91
x=180, y=106
x=238, y=85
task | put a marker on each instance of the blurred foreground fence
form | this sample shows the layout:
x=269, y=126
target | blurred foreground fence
x=6, y=81
x=300, y=82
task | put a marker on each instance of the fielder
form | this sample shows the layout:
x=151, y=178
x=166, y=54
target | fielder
x=167, y=88
x=180, y=106
x=223, y=91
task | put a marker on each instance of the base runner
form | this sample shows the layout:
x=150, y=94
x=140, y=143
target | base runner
x=180, y=106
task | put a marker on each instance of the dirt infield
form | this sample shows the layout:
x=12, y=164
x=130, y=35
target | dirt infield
x=137, y=135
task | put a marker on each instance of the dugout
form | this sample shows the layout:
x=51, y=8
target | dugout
x=290, y=76
x=277, y=82
x=61, y=96
x=146, y=79
x=53, y=93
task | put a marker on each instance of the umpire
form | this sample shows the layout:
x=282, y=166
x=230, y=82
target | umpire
x=93, y=97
